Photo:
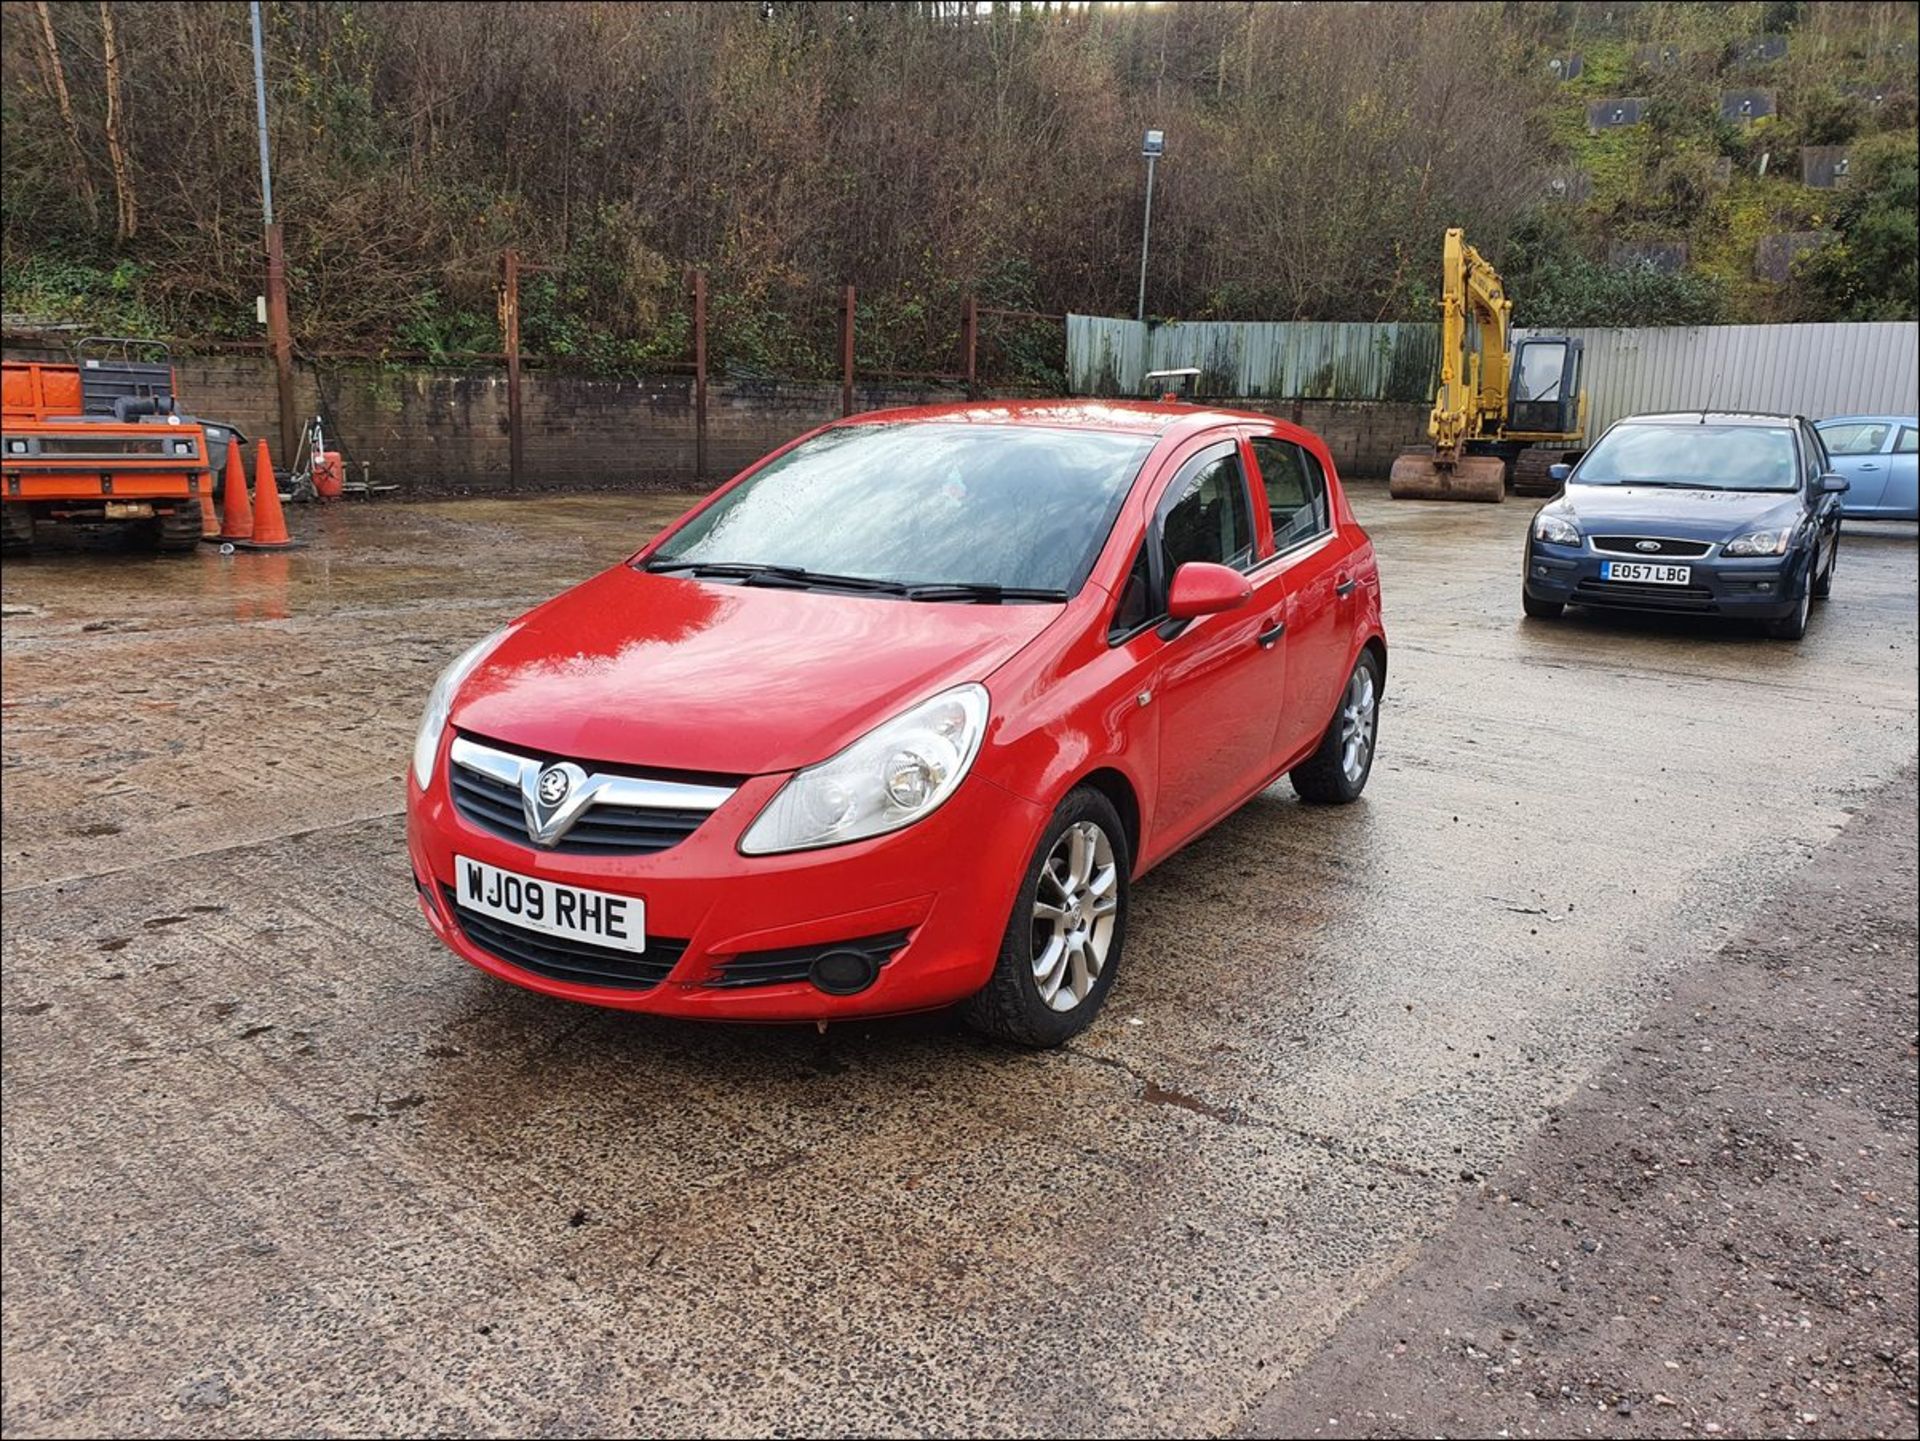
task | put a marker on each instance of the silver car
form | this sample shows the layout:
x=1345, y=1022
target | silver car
x=1877, y=455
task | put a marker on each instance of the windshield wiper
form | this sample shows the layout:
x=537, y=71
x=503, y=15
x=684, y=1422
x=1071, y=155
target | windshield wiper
x=980, y=592
x=791, y=576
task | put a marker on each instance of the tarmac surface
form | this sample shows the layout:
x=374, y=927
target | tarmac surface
x=276, y=1162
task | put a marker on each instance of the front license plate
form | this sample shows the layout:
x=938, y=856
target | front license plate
x=129, y=510
x=570, y=912
x=1644, y=574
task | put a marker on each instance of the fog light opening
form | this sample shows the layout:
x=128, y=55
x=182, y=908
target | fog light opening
x=844, y=973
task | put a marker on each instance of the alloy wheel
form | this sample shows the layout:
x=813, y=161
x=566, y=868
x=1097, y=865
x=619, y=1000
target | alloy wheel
x=1357, y=715
x=1074, y=905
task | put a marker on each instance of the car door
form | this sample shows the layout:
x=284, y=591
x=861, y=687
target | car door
x=1858, y=449
x=1308, y=561
x=1824, y=505
x=1902, y=497
x=1218, y=678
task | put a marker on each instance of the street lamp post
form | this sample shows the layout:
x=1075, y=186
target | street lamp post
x=1153, y=146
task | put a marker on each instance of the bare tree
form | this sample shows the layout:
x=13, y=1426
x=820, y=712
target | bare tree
x=126, y=206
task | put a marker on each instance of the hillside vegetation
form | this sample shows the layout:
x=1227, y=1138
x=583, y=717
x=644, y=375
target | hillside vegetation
x=925, y=152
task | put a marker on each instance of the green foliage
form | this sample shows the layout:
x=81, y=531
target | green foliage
x=103, y=298
x=1556, y=287
x=1870, y=272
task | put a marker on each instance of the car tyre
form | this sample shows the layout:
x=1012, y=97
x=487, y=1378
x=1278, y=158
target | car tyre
x=1035, y=1001
x=1823, y=584
x=1794, y=625
x=1337, y=771
x=1540, y=609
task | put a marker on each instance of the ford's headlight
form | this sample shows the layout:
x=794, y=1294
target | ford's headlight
x=1760, y=542
x=1555, y=528
x=892, y=776
x=426, y=745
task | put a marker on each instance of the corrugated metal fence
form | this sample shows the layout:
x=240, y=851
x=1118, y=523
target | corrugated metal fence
x=1813, y=370
x=1283, y=360
x=1810, y=370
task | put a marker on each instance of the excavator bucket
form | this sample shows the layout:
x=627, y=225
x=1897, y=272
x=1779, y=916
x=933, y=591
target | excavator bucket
x=1418, y=475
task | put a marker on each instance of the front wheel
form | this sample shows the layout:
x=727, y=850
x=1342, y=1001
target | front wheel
x=1337, y=771
x=1540, y=609
x=1823, y=584
x=1062, y=945
x=1794, y=624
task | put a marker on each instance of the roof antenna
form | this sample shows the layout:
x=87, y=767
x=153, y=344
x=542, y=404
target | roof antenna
x=1713, y=389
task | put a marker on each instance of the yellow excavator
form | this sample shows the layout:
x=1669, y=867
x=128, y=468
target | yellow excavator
x=1503, y=412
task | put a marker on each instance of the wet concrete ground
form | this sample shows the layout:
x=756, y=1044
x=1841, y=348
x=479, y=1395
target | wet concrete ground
x=276, y=1162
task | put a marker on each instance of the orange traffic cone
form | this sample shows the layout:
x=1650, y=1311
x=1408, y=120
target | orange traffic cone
x=269, y=525
x=236, y=515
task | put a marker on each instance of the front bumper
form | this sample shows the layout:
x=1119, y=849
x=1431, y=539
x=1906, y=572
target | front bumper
x=947, y=883
x=1757, y=588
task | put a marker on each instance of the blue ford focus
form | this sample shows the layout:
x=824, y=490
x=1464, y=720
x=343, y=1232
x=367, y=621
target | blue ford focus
x=1705, y=513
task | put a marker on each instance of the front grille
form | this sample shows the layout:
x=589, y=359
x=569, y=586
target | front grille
x=563, y=960
x=494, y=805
x=1643, y=597
x=773, y=968
x=1630, y=545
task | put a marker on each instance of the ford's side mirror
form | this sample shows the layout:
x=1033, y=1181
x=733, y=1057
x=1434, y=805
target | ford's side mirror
x=1832, y=484
x=1559, y=472
x=1202, y=588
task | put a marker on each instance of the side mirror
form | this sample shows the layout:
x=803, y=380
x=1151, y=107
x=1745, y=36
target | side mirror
x=1202, y=588
x=1831, y=484
x=1559, y=472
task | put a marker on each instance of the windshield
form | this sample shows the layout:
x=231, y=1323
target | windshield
x=1693, y=457
x=1023, y=508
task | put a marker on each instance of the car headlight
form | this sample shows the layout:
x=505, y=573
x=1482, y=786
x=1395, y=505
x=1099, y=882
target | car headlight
x=1555, y=528
x=1760, y=542
x=894, y=775
x=426, y=745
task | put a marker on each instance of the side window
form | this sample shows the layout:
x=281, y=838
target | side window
x=1908, y=442
x=1815, y=458
x=1860, y=438
x=1212, y=519
x=1136, y=605
x=1296, y=491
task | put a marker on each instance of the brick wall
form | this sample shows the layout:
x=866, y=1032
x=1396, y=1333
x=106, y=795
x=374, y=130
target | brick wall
x=446, y=430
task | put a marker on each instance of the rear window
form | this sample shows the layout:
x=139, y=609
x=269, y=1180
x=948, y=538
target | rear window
x=1693, y=457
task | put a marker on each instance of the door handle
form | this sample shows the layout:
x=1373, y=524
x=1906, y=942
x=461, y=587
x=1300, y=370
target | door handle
x=1269, y=636
x=1345, y=588
x=1869, y=465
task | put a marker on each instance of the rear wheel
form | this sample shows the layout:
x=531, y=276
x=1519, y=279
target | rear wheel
x=16, y=529
x=179, y=530
x=1062, y=945
x=1337, y=771
x=1540, y=609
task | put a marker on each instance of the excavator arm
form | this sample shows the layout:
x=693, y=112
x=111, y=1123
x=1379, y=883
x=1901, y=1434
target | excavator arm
x=1472, y=399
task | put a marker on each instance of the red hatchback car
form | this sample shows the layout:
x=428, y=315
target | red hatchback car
x=893, y=720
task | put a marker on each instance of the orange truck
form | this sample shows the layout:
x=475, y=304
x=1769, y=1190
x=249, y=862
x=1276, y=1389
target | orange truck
x=101, y=443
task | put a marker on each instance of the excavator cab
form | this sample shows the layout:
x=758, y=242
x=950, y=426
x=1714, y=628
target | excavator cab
x=1545, y=387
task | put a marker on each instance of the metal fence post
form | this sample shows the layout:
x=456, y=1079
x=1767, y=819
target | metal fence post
x=700, y=375
x=510, y=329
x=970, y=345
x=846, y=355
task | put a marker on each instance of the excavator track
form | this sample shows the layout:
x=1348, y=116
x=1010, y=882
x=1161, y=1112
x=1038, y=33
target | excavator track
x=1416, y=475
x=1530, y=470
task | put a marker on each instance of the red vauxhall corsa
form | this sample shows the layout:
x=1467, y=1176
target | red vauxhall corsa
x=894, y=719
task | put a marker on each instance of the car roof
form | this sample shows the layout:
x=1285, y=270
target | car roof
x=1872, y=419
x=1140, y=417
x=1710, y=417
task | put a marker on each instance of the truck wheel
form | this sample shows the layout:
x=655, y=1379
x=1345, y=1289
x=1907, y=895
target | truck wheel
x=17, y=536
x=179, y=530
